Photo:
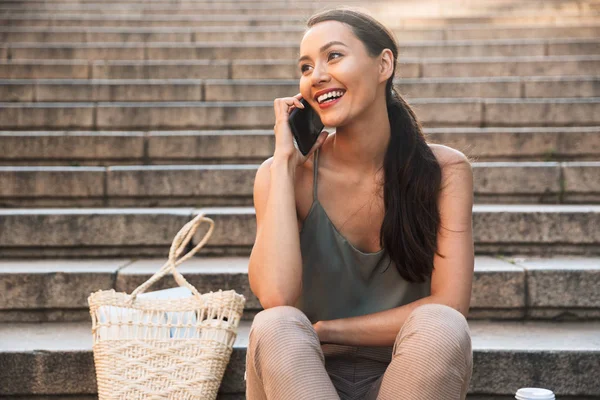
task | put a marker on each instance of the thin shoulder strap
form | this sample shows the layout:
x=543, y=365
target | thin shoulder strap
x=316, y=166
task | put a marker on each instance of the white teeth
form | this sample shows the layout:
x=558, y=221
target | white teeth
x=337, y=93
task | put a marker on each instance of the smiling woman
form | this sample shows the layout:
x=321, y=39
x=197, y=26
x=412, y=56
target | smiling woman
x=365, y=57
x=338, y=321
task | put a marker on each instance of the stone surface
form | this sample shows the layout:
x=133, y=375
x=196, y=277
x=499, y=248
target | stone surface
x=72, y=20
x=540, y=178
x=54, y=284
x=51, y=182
x=497, y=284
x=573, y=46
x=33, y=51
x=36, y=290
x=41, y=69
x=181, y=115
x=163, y=69
x=46, y=115
x=291, y=33
x=536, y=223
x=258, y=114
x=532, y=229
x=494, y=182
x=91, y=227
x=562, y=281
x=533, y=348
x=505, y=355
x=536, y=112
x=515, y=66
x=264, y=89
x=467, y=32
x=14, y=92
x=214, y=146
x=502, y=143
x=286, y=69
x=581, y=181
x=194, y=181
x=255, y=146
x=561, y=87
x=71, y=147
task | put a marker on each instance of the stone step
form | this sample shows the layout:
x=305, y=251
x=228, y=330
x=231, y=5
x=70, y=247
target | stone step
x=426, y=8
x=436, y=112
x=137, y=12
x=286, y=33
x=148, y=232
x=232, y=185
x=287, y=69
x=230, y=3
x=73, y=90
x=392, y=20
x=432, y=4
x=402, y=11
x=585, y=4
x=538, y=288
x=106, y=148
x=57, y=359
x=289, y=50
x=407, y=9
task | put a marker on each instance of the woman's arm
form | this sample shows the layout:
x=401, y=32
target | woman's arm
x=452, y=276
x=275, y=266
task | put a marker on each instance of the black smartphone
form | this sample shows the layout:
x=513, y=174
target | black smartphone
x=306, y=126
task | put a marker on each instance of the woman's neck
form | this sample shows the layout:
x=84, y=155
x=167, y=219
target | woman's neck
x=360, y=146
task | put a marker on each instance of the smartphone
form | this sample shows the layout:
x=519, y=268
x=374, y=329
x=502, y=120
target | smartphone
x=306, y=126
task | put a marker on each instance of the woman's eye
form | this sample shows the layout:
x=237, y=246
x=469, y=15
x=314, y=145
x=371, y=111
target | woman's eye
x=303, y=67
x=333, y=52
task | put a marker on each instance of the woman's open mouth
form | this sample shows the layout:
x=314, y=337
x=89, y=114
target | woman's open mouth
x=331, y=99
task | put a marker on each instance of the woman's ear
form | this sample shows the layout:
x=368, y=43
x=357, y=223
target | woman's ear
x=386, y=65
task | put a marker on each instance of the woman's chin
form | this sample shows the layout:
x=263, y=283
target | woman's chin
x=332, y=118
x=333, y=122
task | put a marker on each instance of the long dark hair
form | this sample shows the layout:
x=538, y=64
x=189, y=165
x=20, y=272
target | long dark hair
x=412, y=173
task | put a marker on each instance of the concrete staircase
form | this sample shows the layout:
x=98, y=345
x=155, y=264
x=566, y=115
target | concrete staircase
x=121, y=120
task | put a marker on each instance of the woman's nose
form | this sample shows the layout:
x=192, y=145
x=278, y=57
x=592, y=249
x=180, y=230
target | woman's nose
x=319, y=75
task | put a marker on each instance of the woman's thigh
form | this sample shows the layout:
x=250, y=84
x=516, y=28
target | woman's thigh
x=355, y=369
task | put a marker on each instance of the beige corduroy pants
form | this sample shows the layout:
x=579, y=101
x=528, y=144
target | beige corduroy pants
x=431, y=360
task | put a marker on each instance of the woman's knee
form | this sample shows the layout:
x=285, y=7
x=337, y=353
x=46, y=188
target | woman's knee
x=276, y=323
x=438, y=326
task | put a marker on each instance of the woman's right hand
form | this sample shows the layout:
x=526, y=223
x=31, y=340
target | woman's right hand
x=284, y=139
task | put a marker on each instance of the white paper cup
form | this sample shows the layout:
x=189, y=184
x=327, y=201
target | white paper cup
x=531, y=393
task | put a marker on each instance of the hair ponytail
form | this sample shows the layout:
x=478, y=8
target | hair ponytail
x=412, y=181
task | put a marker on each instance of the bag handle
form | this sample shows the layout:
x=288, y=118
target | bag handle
x=177, y=247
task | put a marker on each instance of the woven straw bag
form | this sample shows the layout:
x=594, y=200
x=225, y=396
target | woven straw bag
x=147, y=346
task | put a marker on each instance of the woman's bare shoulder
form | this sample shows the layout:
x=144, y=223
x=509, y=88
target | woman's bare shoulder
x=447, y=155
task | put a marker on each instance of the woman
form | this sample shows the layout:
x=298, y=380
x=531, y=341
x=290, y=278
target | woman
x=363, y=259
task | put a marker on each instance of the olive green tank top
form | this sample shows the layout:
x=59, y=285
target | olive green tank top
x=340, y=281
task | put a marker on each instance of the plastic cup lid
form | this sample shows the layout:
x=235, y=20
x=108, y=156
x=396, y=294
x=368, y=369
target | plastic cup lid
x=534, y=393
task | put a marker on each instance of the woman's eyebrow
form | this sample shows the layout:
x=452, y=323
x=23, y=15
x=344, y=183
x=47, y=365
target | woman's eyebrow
x=322, y=49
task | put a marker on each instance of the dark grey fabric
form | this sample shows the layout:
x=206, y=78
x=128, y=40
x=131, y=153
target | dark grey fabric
x=340, y=281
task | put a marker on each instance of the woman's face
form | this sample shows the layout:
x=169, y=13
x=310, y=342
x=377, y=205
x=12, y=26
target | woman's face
x=346, y=66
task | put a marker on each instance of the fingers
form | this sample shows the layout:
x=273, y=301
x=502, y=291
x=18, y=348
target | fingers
x=298, y=103
x=283, y=106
